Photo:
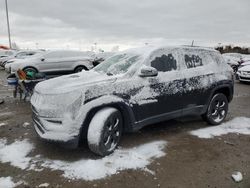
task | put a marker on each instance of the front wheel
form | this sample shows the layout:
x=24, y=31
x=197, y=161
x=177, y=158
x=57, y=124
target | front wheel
x=105, y=130
x=217, y=109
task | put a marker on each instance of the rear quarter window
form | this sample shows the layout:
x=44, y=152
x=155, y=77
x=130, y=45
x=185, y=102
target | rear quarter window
x=193, y=61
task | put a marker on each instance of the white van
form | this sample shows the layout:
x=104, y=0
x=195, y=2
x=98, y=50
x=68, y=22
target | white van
x=54, y=62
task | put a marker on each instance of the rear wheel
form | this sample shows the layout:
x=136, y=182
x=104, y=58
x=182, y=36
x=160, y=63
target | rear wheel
x=217, y=109
x=30, y=69
x=79, y=69
x=105, y=130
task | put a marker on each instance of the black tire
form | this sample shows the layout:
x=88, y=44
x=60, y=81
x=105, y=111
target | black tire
x=105, y=130
x=217, y=109
x=79, y=69
x=30, y=69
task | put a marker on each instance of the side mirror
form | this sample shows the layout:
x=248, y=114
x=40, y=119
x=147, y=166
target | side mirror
x=42, y=59
x=147, y=71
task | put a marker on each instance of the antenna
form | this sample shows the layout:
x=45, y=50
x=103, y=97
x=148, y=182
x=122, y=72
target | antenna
x=192, y=43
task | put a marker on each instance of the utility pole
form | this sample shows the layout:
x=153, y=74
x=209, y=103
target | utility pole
x=8, y=24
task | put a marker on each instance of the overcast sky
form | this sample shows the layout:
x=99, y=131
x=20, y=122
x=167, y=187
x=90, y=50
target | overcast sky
x=79, y=24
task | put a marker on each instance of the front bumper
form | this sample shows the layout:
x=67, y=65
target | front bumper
x=245, y=76
x=53, y=132
x=244, y=79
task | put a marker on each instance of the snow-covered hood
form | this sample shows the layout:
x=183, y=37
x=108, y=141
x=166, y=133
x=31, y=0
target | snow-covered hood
x=5, y=58
x=12, y=60
x=18, y=62
x=245, y=68
x=69, y=83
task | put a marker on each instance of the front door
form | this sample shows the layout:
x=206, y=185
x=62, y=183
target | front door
x=162, y=93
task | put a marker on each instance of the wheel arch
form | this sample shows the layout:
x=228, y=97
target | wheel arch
x=226, y=89
x=85, y=63
x=125, y=109
x=83, y=66
x=29, y=66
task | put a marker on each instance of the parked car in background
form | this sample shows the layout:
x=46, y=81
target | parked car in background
x=22, y=54
x=129, y=90
x=54, y=62
x=236, y=60
x=4, y=54
x=243, y=73
x=102, y=56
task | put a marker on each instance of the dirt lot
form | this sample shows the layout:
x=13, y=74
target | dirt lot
x=189, y=160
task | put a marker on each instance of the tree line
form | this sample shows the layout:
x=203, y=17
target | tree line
x=233, y=49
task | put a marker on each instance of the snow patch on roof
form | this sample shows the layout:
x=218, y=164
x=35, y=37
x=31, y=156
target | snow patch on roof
x=240, y=125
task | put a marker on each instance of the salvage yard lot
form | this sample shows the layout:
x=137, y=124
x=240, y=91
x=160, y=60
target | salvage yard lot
x=161, y=155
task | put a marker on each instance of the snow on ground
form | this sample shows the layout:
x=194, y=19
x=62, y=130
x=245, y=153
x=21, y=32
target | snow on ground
x=6, y=182
x=121, y=159
x=16, y=153
x=44, y=185
x=6, y=114
x=86, y=169
x=2, y=124
x=240, y=125
x=237, y=176
x=26, y=124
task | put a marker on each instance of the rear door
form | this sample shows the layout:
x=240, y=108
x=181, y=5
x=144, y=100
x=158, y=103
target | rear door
x=199, y=79
x=55, y=61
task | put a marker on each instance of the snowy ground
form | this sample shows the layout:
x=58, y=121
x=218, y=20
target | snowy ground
x=6, y=182
x=239, y=125
x=179, y=153
x=17, y=155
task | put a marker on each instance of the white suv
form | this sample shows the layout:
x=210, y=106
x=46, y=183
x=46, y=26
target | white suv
x=54, y=62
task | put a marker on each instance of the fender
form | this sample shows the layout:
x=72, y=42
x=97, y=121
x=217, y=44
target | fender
x=224, y=85
x=90, y=108
x=86, y=63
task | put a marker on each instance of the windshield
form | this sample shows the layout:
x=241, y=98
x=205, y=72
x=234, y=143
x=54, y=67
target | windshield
x=117, y=64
